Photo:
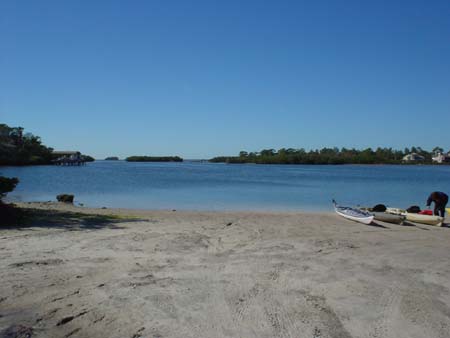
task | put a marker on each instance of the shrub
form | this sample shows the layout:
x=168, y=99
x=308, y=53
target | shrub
x=7, y=185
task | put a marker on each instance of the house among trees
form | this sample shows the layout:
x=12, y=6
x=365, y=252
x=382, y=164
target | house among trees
x=413, y=157
x=66, y=153
x=441, y=158
x=68, y=158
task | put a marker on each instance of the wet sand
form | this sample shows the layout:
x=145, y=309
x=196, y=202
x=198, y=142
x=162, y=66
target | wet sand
x=80, y=272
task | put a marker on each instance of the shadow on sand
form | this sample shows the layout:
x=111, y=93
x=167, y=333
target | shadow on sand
x=378, y=225
x=409, y=224
x=72, y=221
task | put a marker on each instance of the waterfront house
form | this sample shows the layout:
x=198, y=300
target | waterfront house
x=67, y=155
x=413, y=157
x=441, y=158
x=67, y=158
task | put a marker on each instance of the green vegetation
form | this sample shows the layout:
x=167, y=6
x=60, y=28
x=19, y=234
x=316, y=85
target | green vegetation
x=7, y=185
x=87, y=158
x=112, y=158
x=19, y=148
x=327, y=156
x=8, y=213
x=154, y=159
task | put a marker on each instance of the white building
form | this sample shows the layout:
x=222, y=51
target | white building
x=441, y=158
x=413, y=157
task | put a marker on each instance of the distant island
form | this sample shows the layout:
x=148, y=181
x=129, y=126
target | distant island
x=415, y=155
x=18, y=148
x=154, y=159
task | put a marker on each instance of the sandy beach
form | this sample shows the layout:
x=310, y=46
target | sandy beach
x=80, y=272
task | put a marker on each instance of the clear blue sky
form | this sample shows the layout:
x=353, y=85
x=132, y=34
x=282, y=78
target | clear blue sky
x=203, y=78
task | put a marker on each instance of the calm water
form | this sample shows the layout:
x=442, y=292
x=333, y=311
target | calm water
x=205, y=186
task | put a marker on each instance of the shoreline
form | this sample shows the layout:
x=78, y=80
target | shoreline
x=60, y=206
x=244, y=163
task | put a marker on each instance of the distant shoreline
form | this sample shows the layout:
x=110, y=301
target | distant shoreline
x=249, y=163
x=154, y=159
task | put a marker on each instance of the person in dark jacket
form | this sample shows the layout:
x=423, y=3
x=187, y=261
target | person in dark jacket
x=440, y=201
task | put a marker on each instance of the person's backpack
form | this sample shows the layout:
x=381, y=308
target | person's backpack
x=379, y=208
x=414, y=209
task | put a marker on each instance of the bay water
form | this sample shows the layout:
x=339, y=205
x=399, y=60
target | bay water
x=211, y=186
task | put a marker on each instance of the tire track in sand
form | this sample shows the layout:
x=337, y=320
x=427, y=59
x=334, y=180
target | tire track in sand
x=390, y=302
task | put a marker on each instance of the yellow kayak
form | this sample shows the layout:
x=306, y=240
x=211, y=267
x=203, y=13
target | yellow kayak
x=424, y=219
x=448, y=210
x=418, y=218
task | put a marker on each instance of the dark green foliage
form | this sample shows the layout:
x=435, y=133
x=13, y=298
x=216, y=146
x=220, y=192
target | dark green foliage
x=7, y=185
x=8, y=213
x=154, y=159
x=17, y=148
x=66, y=198
x=112, y=158
x=324, y=156
x=87, y=158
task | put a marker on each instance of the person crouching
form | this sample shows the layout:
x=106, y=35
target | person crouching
x=440, y=200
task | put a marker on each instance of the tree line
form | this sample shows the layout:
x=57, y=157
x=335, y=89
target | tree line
x=154, y=159
x=328, y=156
x=20, y=148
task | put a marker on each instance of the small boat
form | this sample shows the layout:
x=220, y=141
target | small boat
x=417, y=218
x=448, y=210
x=389, y=218
x=424, y=219
x=353, y=214
x=386, y=216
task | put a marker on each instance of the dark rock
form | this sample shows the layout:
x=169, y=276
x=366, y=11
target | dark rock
x=66, y=198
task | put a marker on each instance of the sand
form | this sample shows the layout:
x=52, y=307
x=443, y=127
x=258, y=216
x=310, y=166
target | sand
x=80, y=272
